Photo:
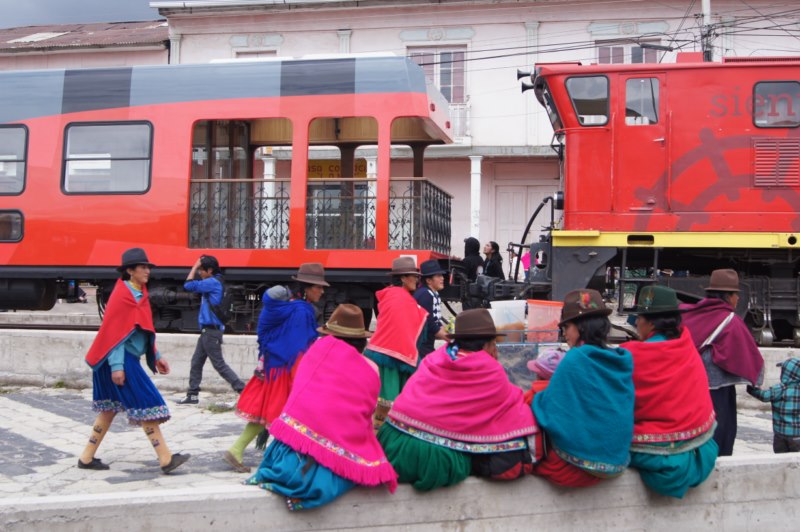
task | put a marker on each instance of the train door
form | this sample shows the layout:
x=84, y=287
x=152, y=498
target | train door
x=640, y=140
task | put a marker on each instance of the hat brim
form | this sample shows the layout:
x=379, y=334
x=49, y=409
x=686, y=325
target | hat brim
x=325, y=330
x=720, y=289
x=599, y=312
x=429, y=274
x=467, y=336
x=662, y=311
x=308, y=280
x=133, y=265
x=405, y=273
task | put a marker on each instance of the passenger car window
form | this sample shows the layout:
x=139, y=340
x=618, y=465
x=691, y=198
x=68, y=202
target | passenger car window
x=13, y=144
x=776, y=104
x=107, y=158
x=589, y=95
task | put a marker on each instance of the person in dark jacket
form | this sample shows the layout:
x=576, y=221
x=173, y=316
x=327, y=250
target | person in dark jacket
x=493, y=265
x=472, y=257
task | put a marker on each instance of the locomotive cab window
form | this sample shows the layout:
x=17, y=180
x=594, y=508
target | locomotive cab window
x=641, y=101
x=107, y=158
x=776, y=104
x=13, y=140
x=10, y=226
x=589, y=95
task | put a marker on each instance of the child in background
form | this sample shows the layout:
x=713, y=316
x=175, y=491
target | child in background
x=543, y=366
x=785, y=399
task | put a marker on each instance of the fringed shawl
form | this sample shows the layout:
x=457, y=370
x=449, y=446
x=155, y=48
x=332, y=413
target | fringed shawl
x=734, y=349
x=328, y=415
x=467, y=404
x=285, y=330
x=122, y=316
x=400, y=321
x=587, y=409
x=672, y=399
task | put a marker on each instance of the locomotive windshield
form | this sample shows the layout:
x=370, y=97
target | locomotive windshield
x=589, y=95
x=546, y=99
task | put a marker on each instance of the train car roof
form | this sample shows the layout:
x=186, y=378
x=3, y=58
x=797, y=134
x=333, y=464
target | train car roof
x=36, y=93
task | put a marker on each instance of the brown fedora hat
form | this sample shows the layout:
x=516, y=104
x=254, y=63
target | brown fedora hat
x=347, y=321
x=724, y=280
x=404, y=266
x=474, y=323
x=582, y=303
x=311, y=273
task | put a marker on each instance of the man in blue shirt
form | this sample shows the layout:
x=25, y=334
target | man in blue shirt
x=209, y=345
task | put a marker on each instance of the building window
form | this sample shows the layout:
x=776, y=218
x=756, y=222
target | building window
x=616, y=53
x=107, y=158
x=777, y=104
x=13, y=141
x=444, y=68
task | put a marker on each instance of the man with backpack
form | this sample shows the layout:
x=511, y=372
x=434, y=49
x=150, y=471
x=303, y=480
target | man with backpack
x=211, y=287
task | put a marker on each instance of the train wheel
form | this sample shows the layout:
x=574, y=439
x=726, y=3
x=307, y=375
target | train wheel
x=765, y=338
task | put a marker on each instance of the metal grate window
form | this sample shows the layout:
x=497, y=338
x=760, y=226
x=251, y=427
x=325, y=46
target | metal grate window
x=776, y=162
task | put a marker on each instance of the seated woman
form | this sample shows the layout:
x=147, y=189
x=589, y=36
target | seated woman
x=586, y=412
x=459, y=414
x=324, y=443
x=673, y=446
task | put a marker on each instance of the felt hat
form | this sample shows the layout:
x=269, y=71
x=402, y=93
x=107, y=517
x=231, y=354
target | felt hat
x=133, y=257
x=725, y=280
x=474, y=323
x=545, y=364
x=311, y=273
x=431, y=267
x=656, y=299
x=582, y=303
x=404, y=266
x=347, y=321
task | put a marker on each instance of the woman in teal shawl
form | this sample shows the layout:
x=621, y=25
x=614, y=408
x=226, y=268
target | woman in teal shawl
x=586, y=411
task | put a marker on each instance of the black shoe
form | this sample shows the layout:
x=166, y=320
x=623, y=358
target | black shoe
x=190, y=399
x=95, y=464
x=176, y=460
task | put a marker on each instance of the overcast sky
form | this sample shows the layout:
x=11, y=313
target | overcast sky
x=15, y=13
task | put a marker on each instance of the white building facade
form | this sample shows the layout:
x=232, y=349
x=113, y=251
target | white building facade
x=501, y=165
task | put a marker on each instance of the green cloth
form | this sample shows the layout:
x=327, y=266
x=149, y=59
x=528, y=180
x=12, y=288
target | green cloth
x=394, y=374
x=674, y=474
x=423, y=465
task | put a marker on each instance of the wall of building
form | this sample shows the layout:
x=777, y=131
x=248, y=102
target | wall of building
x=83, y=59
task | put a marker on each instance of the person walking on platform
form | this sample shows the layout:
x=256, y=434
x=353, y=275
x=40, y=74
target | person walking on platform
x=727, y=348
x=119, y=383
x=427, y=297
x=393, y=347
x=785, y=399
x=209, y=345
x=287, y=326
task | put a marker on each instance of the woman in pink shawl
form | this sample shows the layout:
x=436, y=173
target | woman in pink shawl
x=324, y=443
x=459, y=414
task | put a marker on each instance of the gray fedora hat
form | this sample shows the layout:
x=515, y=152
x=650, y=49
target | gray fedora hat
x=133, y=257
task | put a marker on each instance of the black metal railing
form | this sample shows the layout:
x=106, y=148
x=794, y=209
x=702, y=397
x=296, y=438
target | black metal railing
x=340, y=214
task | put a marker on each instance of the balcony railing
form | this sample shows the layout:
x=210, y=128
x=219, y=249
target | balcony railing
x=340, y=214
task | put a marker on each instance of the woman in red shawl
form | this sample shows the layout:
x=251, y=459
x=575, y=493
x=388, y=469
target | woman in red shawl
x=324, y=443
x=459, y=414
x=673, y=446
x=119, y=382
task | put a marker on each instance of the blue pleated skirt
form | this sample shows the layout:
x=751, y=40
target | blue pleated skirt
x=673, y=475
x=138, y=397
x=304, y=482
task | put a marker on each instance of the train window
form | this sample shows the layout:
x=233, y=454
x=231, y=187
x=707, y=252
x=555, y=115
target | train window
x=10, y=226
x=107, y=158
x=776, y=104
x=641, y=101
x=589, y=95
x=13, y=141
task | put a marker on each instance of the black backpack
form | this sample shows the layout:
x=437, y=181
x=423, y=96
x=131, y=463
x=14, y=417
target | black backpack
x=224, y=310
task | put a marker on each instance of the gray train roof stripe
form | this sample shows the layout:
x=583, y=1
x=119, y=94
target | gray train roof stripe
x=28, y=94
x=31, y=94
x=89, y=90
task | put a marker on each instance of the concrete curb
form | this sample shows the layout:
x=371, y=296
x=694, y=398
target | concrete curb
x=754, y=492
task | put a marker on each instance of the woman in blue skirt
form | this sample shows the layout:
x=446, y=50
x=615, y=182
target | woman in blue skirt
x=120, y=383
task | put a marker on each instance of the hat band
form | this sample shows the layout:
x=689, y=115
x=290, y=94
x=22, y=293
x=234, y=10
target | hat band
x=344, y=330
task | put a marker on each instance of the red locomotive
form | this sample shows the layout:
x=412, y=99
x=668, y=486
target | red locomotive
x=669, y=171
x=169, y=158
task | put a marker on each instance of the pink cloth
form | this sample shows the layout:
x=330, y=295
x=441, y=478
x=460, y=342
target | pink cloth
x=525, y=259
x=328, y=415
x=734, y=349
x=469, y=399
x=400, y=321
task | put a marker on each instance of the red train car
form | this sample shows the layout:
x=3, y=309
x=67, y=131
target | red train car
x=224, y=159
x=669, y=171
